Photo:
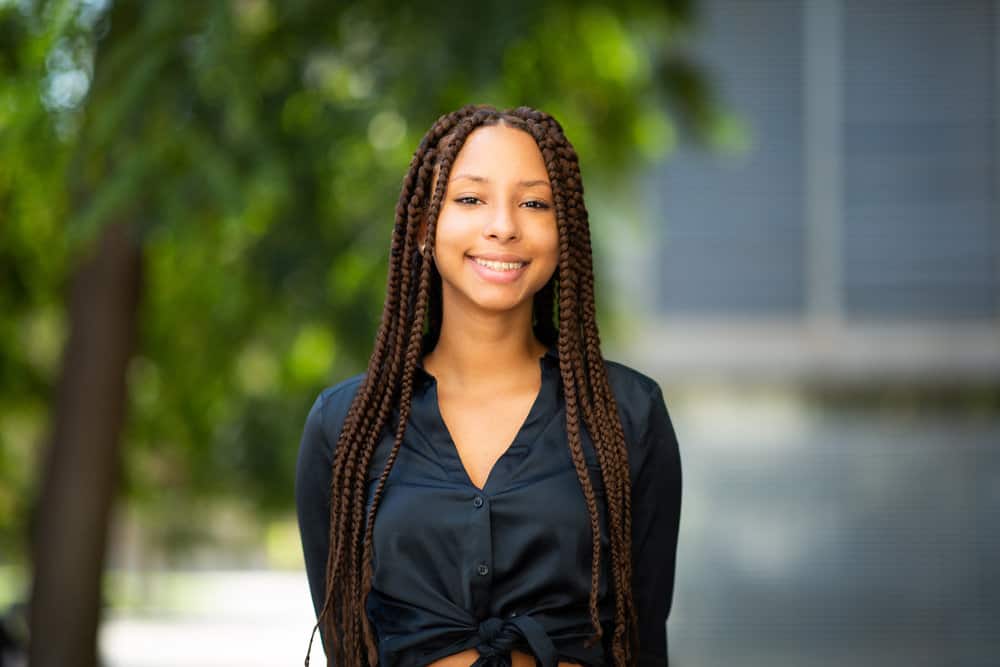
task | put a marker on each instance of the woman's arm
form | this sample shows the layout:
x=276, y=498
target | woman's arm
x=656, y=508
x=312, y=499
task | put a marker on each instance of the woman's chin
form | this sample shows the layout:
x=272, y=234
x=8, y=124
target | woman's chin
x=497, y=305
x=496, y=300
x=502, y=297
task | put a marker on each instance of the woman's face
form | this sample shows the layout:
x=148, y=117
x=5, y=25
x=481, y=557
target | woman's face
x=496, y=241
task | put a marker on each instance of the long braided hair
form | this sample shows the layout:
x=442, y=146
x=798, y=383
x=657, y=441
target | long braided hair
x=413, y=301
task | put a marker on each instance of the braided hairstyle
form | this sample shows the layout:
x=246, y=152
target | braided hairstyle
x=413, y=301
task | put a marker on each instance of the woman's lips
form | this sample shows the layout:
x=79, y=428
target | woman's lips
x=495, y=276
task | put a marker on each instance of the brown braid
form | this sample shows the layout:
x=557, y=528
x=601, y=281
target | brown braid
x=413, y=300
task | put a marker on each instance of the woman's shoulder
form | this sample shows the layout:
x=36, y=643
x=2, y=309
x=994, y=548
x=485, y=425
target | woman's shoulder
x=638, y=396
x=328, y=412
x=629, y=378
x=649, y=429
x=341, y=391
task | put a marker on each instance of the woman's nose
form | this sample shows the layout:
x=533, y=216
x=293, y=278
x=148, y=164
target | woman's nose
x=502, y=224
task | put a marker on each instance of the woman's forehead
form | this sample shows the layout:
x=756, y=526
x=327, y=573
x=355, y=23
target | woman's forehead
x=497, y=153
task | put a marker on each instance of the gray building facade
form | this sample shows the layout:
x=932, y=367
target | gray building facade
x=857, y=238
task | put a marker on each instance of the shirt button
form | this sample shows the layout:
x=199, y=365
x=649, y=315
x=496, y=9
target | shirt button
x=483, y=569
x=478, y=501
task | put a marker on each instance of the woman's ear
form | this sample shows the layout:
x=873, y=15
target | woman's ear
x=422, y=233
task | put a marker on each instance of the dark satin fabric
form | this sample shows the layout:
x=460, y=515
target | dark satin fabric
x=507, y=566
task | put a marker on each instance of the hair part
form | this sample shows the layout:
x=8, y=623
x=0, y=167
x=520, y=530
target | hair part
x=410, y=325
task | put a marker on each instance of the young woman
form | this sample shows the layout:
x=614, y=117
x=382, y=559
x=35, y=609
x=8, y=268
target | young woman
x=491, y=491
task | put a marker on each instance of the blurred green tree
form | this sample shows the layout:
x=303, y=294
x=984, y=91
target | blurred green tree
x=196, y=203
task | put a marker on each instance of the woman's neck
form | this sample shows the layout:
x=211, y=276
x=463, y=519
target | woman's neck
x=473, y=360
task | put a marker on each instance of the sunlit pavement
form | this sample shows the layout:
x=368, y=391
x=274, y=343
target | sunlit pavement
x=244, y=618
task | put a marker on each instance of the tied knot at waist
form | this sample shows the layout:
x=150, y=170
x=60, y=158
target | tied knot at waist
x=498, y=636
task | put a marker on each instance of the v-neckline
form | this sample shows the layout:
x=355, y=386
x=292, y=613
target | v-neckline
x=462, y=469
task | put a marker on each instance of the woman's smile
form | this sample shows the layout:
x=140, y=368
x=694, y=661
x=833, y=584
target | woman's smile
x=497, y=271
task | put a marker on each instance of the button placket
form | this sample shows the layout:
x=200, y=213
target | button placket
x=480, y=552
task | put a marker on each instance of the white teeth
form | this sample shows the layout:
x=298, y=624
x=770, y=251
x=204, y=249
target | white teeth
x=499, y=266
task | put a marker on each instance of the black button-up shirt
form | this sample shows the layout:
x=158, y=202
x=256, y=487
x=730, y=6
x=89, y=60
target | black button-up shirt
x=506, y=566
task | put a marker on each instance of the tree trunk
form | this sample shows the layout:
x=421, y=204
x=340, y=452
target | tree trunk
x=81, y=465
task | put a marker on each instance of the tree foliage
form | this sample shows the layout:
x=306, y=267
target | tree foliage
x=258, y=148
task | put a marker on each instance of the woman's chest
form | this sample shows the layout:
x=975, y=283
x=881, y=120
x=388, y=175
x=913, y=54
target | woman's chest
x=481, y=428
x=526, y=527
x=488, y=448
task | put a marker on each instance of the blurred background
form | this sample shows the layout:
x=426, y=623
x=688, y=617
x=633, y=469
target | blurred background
x=795, y=207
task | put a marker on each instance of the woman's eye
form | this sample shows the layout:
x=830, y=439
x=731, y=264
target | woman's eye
x=469, y=200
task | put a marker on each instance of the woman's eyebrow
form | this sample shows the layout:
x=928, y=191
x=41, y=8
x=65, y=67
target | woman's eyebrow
x=483, y=179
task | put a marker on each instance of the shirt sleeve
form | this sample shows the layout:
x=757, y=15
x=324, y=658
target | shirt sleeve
x=656, y=506
x=313, y=473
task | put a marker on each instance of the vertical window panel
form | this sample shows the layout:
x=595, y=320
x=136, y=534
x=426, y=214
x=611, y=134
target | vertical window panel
x=920, y=180
x=730, y=227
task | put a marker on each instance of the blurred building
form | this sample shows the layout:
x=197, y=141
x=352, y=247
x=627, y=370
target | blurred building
x=854, y=243
x=857, y=239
